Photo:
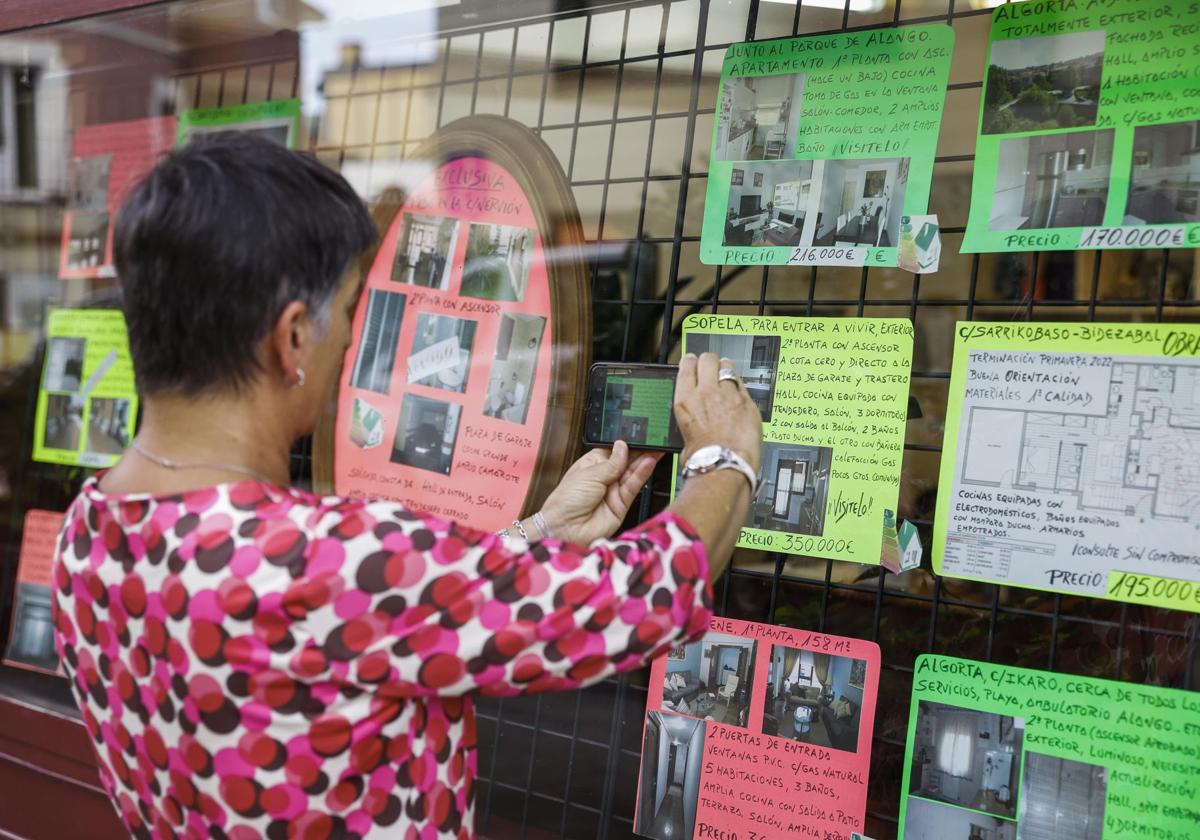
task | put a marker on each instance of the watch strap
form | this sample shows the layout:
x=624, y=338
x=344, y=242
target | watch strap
x=728, y=460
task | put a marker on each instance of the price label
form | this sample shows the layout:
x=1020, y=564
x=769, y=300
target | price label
x=1139, y=236
x=1154, y=591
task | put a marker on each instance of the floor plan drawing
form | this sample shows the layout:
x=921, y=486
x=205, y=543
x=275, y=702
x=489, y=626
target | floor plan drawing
x=1140, y=459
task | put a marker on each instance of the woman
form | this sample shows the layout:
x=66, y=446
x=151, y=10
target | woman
x=253, y=660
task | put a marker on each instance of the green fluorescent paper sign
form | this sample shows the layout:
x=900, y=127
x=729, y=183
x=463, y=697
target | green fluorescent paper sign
x=1070, y=460
x=87, y=402
x=1088, y=131
x=821, y=144
x=277, y=120
x=1007, y=753
x=833, y=393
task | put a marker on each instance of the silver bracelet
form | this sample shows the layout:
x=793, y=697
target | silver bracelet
x=503, y=532
x=517, y=524
x=540, y=522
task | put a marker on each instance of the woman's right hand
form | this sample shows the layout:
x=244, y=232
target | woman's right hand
x=709, y=411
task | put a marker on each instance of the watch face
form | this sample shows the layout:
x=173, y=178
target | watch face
x=705, y=457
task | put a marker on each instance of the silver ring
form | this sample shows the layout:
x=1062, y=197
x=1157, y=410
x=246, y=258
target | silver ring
x=728, y=375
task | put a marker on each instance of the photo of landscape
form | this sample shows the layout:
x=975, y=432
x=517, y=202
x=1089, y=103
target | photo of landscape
x=1040, y=84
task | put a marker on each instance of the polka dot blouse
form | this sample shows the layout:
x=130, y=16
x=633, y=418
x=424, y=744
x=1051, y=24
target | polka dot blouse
x=253, y=661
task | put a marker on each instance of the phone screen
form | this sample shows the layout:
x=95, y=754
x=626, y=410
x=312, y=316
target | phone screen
x=632, y=403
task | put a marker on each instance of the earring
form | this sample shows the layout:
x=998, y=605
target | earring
x=299, y=383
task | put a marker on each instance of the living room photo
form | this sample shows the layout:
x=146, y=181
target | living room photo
x=814, y=698
x=768, y=203
x=711, y=679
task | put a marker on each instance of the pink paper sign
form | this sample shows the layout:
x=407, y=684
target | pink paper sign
x=31, y=635
x=445, y=386
x=107, y=161
x=758, y=731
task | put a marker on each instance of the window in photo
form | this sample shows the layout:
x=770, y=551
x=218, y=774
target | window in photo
x=811, y=698
x=758, y=117
x=424, y=251
x=377, y=345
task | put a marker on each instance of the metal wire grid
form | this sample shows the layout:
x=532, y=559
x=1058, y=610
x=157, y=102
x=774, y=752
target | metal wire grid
x=566, y=765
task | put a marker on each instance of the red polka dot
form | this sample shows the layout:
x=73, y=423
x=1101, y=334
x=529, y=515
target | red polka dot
x=441, y=670
x=239, y=792
x=329, y=735
x=205, y=638
x=133, y=594
x=272, y=688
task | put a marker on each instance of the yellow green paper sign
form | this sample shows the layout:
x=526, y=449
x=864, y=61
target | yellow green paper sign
x=822, y=144
x=833, y=394
x=1088, y=128
x=1070, y=460
x=1002, y=752
x=277, y=120
x=87, y=402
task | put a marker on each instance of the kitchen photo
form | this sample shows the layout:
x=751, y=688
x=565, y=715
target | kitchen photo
x=669, y=788
x=925, y=820
x=1044, y=83
x=768, y=203
x=861, y=202
x=814, y=698
x=510, y=381
x=711, y=679
x=1061, y=799
x=758, y=117
x=1164, y=178
x=967, y=758
x=378, y=341
x=795, y=489
x=108, y=426
x=424, y=251
x=441, y=352
x=426, y=434
x=497, y=264
x=755, y=359
x=1052, y=181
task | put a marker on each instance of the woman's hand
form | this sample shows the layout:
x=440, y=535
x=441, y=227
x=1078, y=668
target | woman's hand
x=592, y=499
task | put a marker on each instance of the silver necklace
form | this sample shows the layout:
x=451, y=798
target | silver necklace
x=176, y=465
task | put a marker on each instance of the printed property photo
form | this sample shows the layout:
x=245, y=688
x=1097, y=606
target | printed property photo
x=711, y=679
x=795, y=489
x=755, y=359
x=814, y=698
x=672, y=761
x=1045, y=83
x=972, y=777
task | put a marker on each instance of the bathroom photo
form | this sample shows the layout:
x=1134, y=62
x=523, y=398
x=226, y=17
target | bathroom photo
x=672, y=759
x=755, y=359
x=814, y=698
x=514, y=365
x=711, y=679
x=967, y=758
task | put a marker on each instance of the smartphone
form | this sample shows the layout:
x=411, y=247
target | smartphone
x=633, y=403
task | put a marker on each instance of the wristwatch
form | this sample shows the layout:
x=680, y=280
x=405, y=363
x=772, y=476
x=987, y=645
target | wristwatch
x=708, y=459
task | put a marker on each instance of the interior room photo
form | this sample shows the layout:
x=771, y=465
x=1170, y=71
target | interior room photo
x=32, y=640
x=795, y=489
x=1061, y=799
x=815, y=698
x=768, y=203
x=711, y=679
x=426, y=434
x=510, y=382
x=1165, y=175
x=672, y=758
x=108, y=426
x=64, y=364
x=441, y=352
x=861, y=202
x=64, y=422
x=378, y=341
x=497, y=262
x=967, y=758
x=89, y=240
x=925, y=820
x=1052, y=181
x=424, y=250
x=755, y=358
x=758, y=117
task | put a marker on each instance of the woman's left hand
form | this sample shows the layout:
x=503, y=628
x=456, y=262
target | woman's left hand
x=593, y=497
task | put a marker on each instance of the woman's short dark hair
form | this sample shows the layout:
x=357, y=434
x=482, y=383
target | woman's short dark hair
x=215, y=242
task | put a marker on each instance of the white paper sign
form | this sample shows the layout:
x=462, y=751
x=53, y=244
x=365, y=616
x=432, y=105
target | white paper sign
x=434, y=359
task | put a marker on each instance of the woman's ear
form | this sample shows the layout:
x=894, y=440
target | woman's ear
x=290, y=341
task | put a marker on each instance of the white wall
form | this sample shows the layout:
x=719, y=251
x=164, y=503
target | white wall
x=1009, y=195
x=664, y=752
x=926, y=820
